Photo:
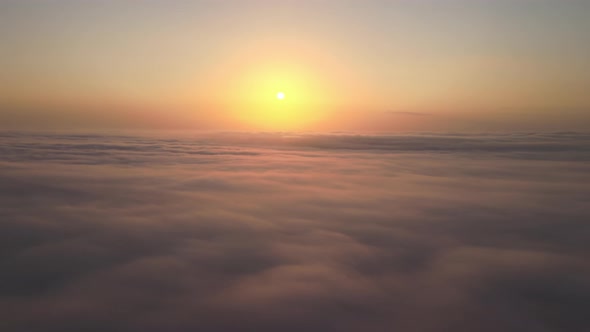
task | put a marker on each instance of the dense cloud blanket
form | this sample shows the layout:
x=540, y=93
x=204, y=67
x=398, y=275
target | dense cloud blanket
x=294, y=232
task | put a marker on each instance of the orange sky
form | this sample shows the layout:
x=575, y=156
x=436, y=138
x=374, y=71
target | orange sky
x=343, y=65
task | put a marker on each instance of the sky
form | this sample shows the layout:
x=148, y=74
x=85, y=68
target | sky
x=421, y=65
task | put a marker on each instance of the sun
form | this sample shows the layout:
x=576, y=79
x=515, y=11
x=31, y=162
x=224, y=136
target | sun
x=276, y=97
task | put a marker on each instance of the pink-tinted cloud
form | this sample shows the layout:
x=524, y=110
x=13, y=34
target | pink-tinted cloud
x=291, y=232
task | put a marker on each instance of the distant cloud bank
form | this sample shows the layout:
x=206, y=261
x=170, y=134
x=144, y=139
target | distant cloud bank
x=294, y=232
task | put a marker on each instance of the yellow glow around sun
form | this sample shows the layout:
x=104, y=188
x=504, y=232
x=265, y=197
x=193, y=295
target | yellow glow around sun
x=253, y=105
x=284, y=87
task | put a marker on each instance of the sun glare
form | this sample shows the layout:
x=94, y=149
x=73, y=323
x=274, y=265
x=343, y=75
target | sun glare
x=279, y=95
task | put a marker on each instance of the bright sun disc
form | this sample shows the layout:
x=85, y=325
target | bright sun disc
x=280, y=95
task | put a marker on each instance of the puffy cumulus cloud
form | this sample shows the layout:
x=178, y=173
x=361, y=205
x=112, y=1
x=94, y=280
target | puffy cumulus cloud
x=294, y=232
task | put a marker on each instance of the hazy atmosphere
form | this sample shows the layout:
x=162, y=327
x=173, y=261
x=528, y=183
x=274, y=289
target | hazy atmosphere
x=318, y=166
x=400, y=65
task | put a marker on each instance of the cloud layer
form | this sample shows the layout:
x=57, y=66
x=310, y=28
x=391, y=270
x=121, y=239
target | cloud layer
x=291, y=232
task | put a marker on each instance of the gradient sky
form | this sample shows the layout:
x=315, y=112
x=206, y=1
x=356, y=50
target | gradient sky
x=344, y=65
